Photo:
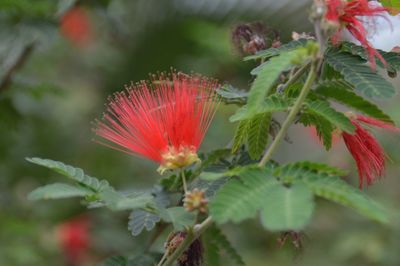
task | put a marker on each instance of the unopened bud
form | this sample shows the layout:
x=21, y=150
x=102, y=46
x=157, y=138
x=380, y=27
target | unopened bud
x=195, y=200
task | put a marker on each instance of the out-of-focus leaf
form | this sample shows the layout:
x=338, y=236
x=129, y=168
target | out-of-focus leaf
x=58, y=191
x=74, y=173
x=264, y=54
x=115, y=261
x=139, y=220
x=179, y=217
x=287, y=208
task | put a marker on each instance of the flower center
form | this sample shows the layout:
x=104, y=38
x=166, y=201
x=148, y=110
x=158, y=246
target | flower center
x=174, y=158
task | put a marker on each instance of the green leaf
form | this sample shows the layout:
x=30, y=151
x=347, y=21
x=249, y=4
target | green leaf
x=58, y=191
x=323, y=109
x=323, y=127
x=139, y=220
x=268, y=75
x=141, y=260
x=240, y=199
x=258, y=132
x=393, y=5
x=273, y=103
x=217, y=237
x=211, y=250
x=74, y=173
x=392, y=59
x=335, y=189
x=241, y=134
x=287, y=208
x=115, y=261
x=299, y=168
x=118, y=202
x=179, y=217
x=231, y=95
x=276, y=51
x=340, y=91
x=357, y=73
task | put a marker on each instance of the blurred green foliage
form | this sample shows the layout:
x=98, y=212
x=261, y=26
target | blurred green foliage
x=51, y=88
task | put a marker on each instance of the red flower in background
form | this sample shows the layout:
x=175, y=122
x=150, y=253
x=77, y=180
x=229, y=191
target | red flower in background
x=76, y=26
x=346, y=14
x=365, y=149
x=74, y=239
x=164, y=120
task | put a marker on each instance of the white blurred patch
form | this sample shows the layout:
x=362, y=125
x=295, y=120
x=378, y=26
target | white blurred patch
x=383, y=31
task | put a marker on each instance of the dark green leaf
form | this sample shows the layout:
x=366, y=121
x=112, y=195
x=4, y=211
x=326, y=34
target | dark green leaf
x=216, y=236
x=258, y=132
x=323, y=127
x=340, y=91
x=335, y=189
x=323, y=109
x=357, y=73
x=115, y=261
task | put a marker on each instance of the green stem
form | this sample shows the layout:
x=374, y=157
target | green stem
x=291, y=116
x=184, y=180
x=191, y=236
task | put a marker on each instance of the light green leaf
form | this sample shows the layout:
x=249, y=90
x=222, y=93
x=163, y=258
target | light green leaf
x=298, y=169
x=393, y=5
x=273, y=103
x=74, y=173
x=58, y=191
x=287, y=208
x=340, y=91
x=240, y=199
x=323, y=109
x=360, y=75
x=268, y=75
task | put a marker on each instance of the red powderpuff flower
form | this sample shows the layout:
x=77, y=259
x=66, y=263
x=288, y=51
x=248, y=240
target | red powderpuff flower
x=164, y=120
x=75, y=25
x=346, y=14
x=74, y=239
x=365, y=149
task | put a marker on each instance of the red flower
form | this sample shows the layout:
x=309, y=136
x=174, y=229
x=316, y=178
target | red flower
x=346, y=14
x=74, y=239
x=76, y=26
x=164, y=120
x=365, y=149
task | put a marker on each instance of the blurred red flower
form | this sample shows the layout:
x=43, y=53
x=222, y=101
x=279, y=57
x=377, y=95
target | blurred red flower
x=164, y=120
x=346, y=14
x=365, y=149
x=76, y=26
x=74, y=238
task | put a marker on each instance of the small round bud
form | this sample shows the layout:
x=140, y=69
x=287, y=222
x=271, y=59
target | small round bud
x=195, y=200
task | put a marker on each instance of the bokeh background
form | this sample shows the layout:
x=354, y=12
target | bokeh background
x=59, y=60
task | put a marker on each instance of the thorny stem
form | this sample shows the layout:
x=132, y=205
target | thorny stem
x=291, y=116
x=191, y=236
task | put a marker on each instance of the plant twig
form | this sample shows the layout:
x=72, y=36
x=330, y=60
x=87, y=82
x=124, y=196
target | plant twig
x=191, y=236
x=184, y=183
x=291, y=116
